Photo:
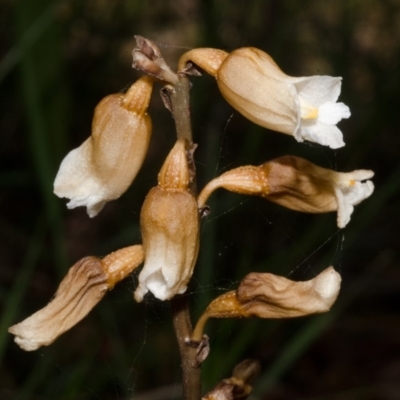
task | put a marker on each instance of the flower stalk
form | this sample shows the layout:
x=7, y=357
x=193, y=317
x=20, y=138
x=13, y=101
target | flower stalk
x=191, y=372
x=147, y=58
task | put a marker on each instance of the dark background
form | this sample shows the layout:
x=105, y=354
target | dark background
x=58, y=59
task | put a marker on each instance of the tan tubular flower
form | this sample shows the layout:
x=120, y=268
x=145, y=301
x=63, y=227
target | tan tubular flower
x=296, y=183
x=265, y=295
x=253, y=84
x=170, y=230
x=304, y=107
x=83, y=287
x=104, y=166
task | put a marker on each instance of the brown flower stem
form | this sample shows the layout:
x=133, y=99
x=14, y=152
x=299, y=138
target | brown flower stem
x=197, y=334
x=180, y=108
x=191, y=372
x=207, y=191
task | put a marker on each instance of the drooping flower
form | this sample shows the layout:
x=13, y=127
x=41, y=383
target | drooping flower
x=104, y=166
x=169, y=222
x=253, y=84
x=266, y=295
x=83, y=287
x=298, y=184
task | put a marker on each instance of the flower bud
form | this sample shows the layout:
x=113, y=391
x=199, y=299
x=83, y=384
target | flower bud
x=148, y=59
x=83, y=287
x=104, y=166
x=170, y=230
x=296, y=183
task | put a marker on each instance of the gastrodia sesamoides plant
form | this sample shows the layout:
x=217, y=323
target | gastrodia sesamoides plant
x=104, y=166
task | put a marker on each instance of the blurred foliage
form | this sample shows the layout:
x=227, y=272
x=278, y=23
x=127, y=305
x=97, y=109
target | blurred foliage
x=59, y=58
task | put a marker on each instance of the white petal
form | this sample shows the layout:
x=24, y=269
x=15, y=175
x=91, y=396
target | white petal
x=94, y=204
x=331, y=113
x=344, y=209
x=76, y=181
x=161, y=273
x=327, y=286
x=356, y=193
x=318, y=90
x=348, y=197
x=327, y=135
x=343, y=178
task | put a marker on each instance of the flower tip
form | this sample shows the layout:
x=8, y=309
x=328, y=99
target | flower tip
x=25, y=342
x=327, y=135
x=139, y=293
x=93, y=204
x=350, y=191
x=362, y=174
x=161, y=285
x=327, y=286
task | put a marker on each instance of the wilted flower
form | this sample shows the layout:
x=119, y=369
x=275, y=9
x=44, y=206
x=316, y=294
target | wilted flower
x=266, y=295
x=104, y=166
x=83, y=287
x=252, y=83
x=148, y=59
x=238, y=386
x=169, y=223
x=296, y=183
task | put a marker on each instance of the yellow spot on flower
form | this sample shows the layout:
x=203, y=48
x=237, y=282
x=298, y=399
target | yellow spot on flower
x=307, y=110
x=311, y=113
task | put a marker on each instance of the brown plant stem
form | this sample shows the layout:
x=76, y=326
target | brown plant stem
x=191, y=371
x=180, y=108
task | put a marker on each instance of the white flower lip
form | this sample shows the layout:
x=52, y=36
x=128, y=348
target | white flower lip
x=319, y=94
x=75, y=180
x=350, y=191
x=161, y=277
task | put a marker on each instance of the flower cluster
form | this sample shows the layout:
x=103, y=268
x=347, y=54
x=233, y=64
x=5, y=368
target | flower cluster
x=105, y=165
